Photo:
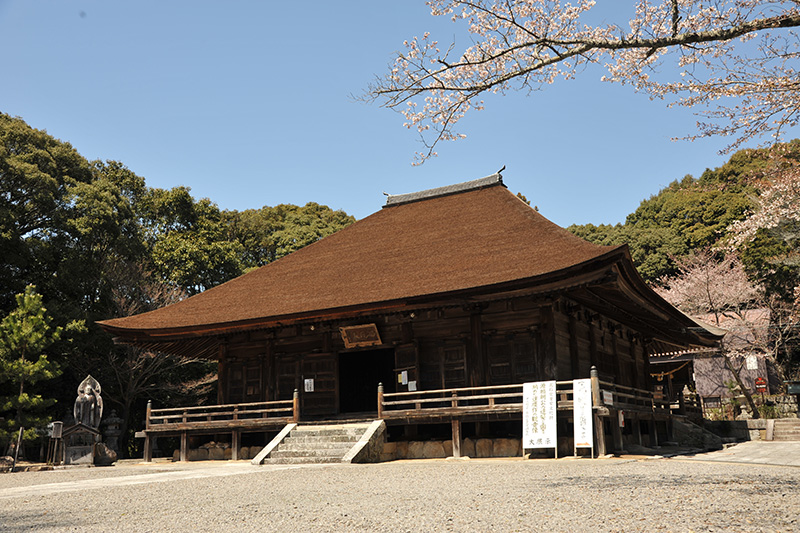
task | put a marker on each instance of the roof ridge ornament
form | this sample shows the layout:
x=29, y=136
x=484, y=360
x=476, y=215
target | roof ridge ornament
x=488, y=181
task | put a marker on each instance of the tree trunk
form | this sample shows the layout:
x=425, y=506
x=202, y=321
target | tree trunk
x=745, y=391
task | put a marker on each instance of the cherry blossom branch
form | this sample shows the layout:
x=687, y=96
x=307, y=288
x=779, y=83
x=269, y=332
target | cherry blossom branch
x=530, y=43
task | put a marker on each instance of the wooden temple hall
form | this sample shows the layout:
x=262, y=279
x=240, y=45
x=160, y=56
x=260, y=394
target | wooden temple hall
x=451, y=299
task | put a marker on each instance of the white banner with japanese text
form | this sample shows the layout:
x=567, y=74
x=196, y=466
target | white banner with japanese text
x=539, y=415
x=582, y=412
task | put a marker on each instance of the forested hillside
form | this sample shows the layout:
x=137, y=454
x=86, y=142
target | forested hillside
x=94, y=241
x=694, y=213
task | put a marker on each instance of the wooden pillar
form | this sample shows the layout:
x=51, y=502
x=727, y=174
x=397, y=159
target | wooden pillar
x=148, y=447
x=236, y=438
x=592, y=342
x=653, y=430
x=616, y=431
x=638, y=382
x=456, y=426
x=617, y=359
x=637, y=428
x=296, y=406
x=184, y=446
x=574, y=356
x=222, y=375
x=549, y=365
x=648, y=379
x=148, y=440
x=476, y=361
x=599, y=431
x=268, y=373
x=380, y=401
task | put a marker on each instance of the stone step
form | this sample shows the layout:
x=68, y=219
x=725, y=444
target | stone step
x=310, y=453
x=787, y=429
x=302, y=437
x=328, y=432
x=315, y=446
x=787, y=436
x=301, y=460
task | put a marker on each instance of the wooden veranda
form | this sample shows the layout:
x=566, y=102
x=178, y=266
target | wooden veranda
x=504, y=402
x=216, y=419
x=453, y=406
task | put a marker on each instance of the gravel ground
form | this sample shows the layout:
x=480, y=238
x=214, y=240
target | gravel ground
x=436, y=495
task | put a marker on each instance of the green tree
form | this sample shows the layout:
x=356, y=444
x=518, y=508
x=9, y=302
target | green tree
x=696, y=213
x=187, y=240
x=36, y=174
x=25, y=334
x=270, y=233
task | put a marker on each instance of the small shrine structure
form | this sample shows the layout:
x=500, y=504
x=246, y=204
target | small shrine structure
x=81, y=437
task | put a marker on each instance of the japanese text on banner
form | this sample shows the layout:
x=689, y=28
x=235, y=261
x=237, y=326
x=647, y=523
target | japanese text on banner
x=539, y=415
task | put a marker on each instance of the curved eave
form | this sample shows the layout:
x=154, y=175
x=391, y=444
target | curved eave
x=688, y=330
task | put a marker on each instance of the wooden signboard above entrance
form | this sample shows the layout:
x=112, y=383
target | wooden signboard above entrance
x=360, y=336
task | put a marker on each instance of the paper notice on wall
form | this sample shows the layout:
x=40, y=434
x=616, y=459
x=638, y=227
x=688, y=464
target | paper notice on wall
x=404, y=377
x=308, y=385
x=412, y=386
x=608, y=398
x=539, y=415
x=582, y=412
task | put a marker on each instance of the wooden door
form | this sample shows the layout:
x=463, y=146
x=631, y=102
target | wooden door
x=514, y=359
x=443, y=366
x=287, y=376
x=319, y=395
x=244, y=382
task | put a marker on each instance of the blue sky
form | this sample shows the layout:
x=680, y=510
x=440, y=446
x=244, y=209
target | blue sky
x=250, y=104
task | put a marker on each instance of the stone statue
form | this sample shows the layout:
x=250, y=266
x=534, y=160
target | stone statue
x=88, y=408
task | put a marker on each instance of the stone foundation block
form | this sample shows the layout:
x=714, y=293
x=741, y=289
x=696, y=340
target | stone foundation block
x=401, y=450
x=433, y=450
x=506, y=448
x=483, y=448
x=415, y=450
x=448, y=448
x=198, y=454
x=468, y=448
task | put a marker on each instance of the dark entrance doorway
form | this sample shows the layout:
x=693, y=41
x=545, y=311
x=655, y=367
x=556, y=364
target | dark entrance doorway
x=359, y=375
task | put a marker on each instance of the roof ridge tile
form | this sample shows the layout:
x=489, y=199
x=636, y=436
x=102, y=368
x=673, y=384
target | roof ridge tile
x=488, y=181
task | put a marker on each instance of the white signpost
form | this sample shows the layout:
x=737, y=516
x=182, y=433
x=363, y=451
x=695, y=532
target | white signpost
x=539, y=415
x=582, y=414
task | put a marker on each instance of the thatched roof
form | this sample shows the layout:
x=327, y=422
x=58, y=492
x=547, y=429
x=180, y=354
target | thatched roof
x=431, y=245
